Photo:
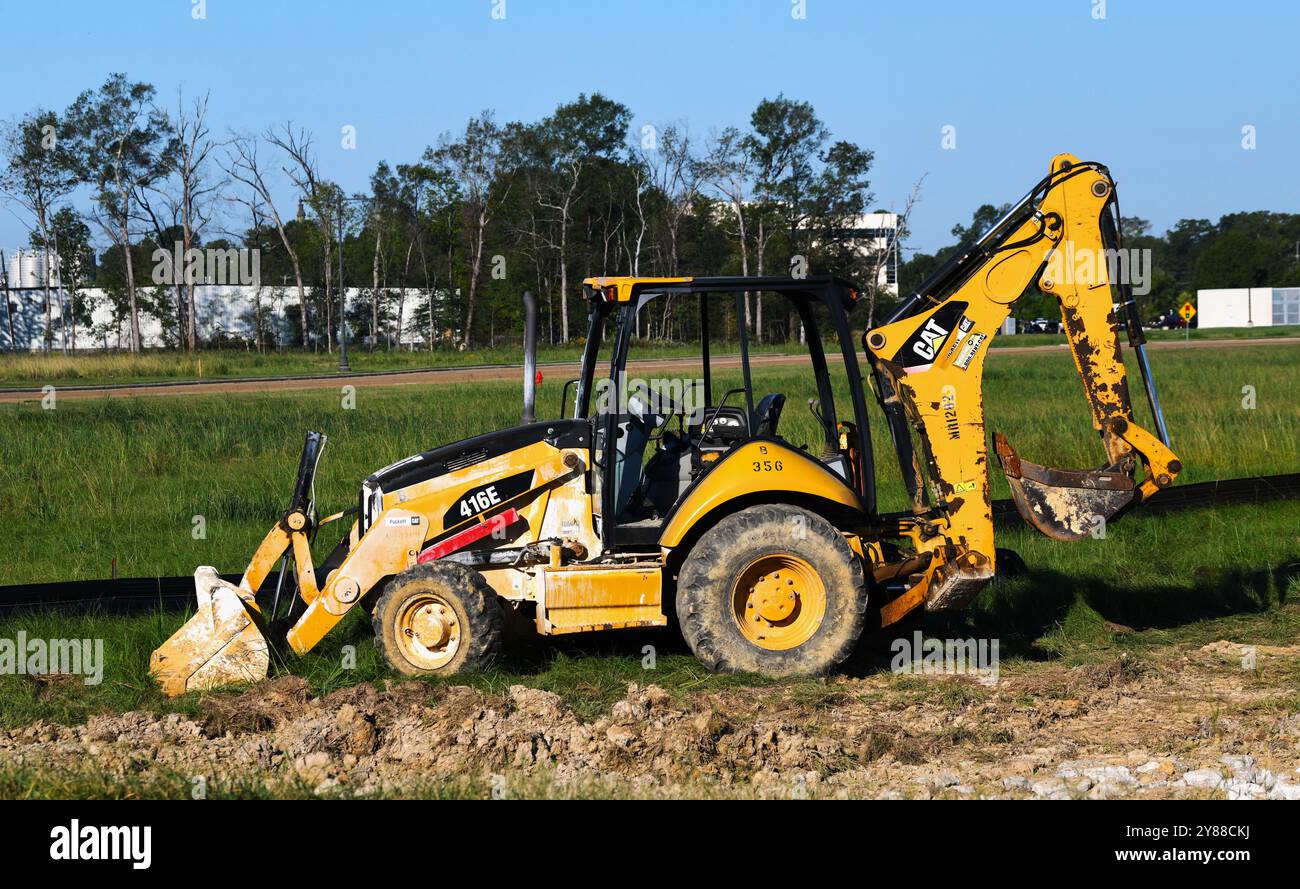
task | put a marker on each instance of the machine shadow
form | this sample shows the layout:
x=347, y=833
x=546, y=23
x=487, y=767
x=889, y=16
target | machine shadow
x=1017, y=611
x=1020, y=611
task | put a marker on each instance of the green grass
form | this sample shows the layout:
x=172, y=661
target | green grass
x=24, y=371
x=1185, y=578
x=1188, y=577
x=95, y=480
x=91, y=782
x=103, y=479
x=590, y=674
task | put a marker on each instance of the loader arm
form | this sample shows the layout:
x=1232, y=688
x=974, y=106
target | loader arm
x=928, y=362
x=224, y=641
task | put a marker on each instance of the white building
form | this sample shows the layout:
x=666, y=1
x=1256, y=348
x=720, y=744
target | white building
x=877, y=233
x=29, y=268
x=1248, y=307
x=224, y=310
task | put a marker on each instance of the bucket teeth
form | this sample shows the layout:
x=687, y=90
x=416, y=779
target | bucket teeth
x=220, y=645
x=1064, y=504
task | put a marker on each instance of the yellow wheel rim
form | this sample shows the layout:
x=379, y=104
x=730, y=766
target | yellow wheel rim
x=428, y=631
x=778, y=602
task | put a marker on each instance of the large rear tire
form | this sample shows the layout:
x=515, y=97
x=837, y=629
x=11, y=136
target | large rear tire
x=438, y=618
x=774, y=590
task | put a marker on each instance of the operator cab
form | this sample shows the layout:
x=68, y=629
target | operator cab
x=664, y=418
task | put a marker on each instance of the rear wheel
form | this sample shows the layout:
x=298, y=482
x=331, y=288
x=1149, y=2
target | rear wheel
x=438, y=618
x=774, y=590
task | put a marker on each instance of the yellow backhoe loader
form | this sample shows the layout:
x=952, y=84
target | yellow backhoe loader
x=773, y=556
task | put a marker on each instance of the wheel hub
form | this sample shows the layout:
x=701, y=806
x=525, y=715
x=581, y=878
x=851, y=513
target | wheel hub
x=431, y=627
x=779, y=601
x=429, y=632
x=774, y=597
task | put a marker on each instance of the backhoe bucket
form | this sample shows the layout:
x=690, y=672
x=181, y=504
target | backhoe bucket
x=1064, y=504
x=220, y=645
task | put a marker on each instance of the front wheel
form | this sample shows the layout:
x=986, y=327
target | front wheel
x=438, y=618
x=773, y=590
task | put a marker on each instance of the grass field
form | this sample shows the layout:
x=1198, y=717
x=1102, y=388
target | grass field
x=25, y=371
x=96, y=480
x=31, y=371
x=1181, y=578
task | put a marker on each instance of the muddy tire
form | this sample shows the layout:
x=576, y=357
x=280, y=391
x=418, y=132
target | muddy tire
x=773, y=590
x=438, y=618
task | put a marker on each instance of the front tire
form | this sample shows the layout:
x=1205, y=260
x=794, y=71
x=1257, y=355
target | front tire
x=438, y=618
x=774, y=590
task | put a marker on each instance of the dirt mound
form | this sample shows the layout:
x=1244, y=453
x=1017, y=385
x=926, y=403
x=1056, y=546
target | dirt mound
x=1238, y=650
x=1047, y=733
x=259, y=709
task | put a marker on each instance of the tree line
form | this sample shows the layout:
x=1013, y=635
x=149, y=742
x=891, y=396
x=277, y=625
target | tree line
x=481, y=215
x=486, y=212
x=1247, y=249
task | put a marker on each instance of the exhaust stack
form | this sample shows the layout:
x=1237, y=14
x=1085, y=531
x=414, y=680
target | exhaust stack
x=530, y=357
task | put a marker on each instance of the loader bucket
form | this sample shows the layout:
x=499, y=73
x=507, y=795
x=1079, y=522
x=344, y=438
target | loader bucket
x=221, y=644
x=1064, y=504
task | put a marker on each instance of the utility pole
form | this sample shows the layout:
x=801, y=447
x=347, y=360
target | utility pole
x=9, y=313
x=344, y=367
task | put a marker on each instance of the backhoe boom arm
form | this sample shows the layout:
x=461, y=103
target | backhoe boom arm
x=928, y=363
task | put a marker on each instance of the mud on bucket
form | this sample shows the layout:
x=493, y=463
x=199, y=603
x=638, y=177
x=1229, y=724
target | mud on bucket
x=220, y=645
x=1064, y=504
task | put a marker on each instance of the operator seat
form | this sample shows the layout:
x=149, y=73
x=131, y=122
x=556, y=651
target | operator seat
x=767, y=414
x=679, y=460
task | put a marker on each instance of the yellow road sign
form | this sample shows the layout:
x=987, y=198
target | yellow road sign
x=1188, y=311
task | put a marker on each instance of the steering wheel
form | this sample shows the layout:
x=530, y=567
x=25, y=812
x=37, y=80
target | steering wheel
x=639, y=408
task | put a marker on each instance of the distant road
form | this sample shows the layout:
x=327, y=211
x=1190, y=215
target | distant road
x=556, y=372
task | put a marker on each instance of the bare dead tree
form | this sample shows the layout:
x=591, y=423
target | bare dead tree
x=537, y=245
x=675, y=172
x=610, y=234
x=561, y=200
x=257, y=221
x=255, y=206
x=243, y=165
x=183, y=198
x=160, y=209
x=193, y=149
x=477, y=163
x=321, y=196
x=728, y=168
x=878, y=259
x=640, y=185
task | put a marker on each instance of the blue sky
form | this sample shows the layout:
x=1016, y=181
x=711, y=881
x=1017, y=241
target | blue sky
x=1158, y=89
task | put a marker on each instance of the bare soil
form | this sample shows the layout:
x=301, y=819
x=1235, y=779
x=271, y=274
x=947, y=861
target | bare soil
x=1188, y=722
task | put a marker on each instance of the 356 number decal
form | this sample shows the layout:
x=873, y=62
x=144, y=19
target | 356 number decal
x=767, y=465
